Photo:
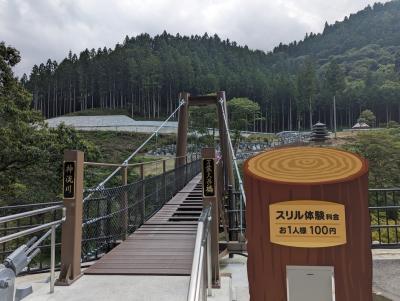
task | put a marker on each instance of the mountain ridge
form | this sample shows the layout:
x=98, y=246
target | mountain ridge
x=146, y=73
x=379, y=18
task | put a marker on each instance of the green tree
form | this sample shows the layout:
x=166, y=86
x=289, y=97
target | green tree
x=306, y=88
x=22, y=131
x=334, y=78
x=243, y=112
x=334, y=84
x=353, y=94
x=382, y=149
x=390, y=92
x=30, y=153
x=147, y=73
x=368, y=117
x=203, y=118
x=397, y=63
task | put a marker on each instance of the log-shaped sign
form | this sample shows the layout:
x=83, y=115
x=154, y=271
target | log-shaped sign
x=306, y=166
x=307, y=224
x=307, y=206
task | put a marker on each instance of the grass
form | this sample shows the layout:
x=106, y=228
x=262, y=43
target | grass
x=115, y=147
x=118, y=111
x=261, y=137
x=100, y=111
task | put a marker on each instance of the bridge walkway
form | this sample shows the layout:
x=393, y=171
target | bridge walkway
x=164, y=244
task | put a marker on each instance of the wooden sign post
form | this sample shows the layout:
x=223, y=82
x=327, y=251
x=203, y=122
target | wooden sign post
x=209, y=183
x=71, y=233
x=308, y=225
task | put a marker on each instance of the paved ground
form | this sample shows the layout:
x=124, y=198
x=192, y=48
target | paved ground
x=121, y=123
x=174, y=288
x=112, y=123
x=237, y=267
x=108, y=288
x=385, y=283
x=120, y=288
x=387, y=273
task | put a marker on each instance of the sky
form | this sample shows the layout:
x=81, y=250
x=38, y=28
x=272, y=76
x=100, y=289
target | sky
x=42, y=29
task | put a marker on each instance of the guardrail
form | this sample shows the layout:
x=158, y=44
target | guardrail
x=40, y=262
x=237, y=218
x=110, y=214
x=384, y=209
x=385, y=217
x=17, y=261
x=200, y=277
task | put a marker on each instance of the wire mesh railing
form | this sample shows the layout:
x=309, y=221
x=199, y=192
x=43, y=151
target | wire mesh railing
x=237, y=219
x=384, y=210
x=385, y=217
x=110, y=214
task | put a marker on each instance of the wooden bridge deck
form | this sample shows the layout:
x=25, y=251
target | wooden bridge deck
x=164, y=244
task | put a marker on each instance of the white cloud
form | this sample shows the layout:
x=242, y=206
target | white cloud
x=43, y=29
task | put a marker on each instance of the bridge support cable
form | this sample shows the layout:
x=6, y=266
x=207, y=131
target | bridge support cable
x=241, y=187
x=229, y=174
x=125, y=163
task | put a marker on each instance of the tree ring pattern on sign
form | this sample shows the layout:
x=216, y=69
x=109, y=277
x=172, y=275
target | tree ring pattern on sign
x=305, y=165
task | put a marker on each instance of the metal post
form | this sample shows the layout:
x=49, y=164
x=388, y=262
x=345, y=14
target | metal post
x=241, y=236
x=311, y=123
x=71, y=235
x=204, y=292
x=142, y=171
x=143, y=192
x=334, y=113
x=125, y=213
x=232, y=215
x=209, y=267
x=164, y=168
x=193, y=287
x=186, y=170
x=52, y=258
x=210, y=184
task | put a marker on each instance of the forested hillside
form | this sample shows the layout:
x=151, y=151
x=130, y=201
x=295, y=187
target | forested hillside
x=148, y=73
x=373, y=25
x=357, y=61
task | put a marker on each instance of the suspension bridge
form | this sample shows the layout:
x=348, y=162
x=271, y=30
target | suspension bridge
x=177, y=223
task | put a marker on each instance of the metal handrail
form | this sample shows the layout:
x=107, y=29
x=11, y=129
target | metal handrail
x=383, y=207
x=16, y=216
x=137, y=164
x=200, y=277
x=12, y=207
x=33, y=250
x=384, y=226
x=384, y=189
